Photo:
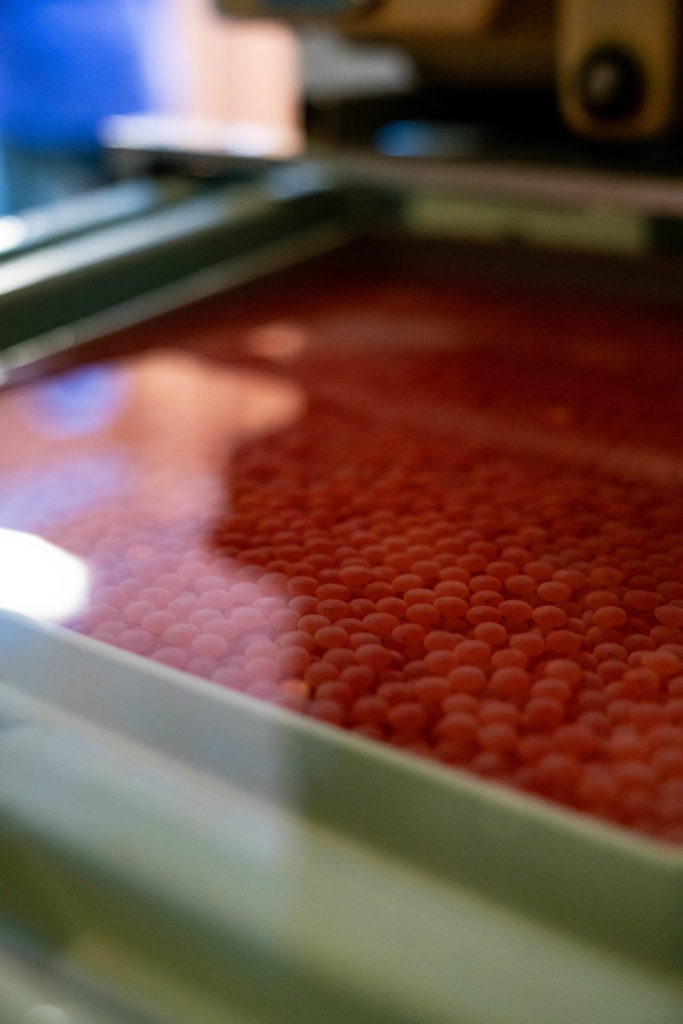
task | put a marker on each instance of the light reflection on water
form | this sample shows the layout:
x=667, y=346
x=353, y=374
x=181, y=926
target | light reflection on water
x=77, y=404
x=40, y=497
x=39, y=579
x=125, y=467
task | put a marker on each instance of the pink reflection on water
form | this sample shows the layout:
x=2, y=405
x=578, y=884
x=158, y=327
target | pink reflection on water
x=125, y=467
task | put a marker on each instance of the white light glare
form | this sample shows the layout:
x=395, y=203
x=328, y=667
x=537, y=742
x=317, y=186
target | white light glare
x=39, y=579
x=13, y=231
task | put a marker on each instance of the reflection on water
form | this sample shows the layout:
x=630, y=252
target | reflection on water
x=39, y=579
x=282, y=342
x=122, y=465
x=41, y=497
x=84, y=402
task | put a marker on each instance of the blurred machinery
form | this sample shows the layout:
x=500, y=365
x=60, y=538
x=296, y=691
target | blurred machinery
x=613, y=65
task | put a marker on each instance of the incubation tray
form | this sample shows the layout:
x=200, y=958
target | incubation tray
x=379, y=676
